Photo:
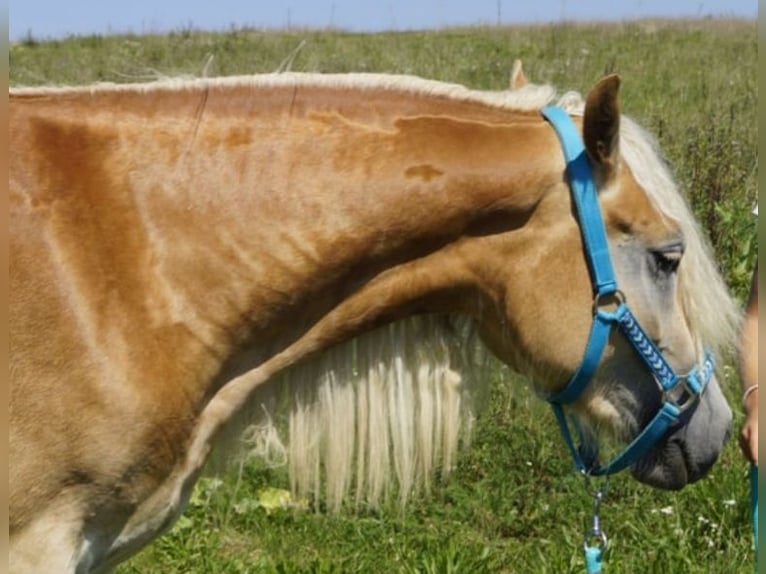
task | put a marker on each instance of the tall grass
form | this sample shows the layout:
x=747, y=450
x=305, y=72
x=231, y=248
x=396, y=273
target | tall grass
x=514, y=503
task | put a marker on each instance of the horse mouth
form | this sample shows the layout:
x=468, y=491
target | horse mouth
x=671, y=466
x=665, y=467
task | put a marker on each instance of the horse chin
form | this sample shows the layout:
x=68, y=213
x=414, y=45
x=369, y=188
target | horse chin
x=666, y=467
x=670, y=467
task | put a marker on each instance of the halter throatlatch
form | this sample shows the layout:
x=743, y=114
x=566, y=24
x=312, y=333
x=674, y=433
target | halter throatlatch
x=605, y=290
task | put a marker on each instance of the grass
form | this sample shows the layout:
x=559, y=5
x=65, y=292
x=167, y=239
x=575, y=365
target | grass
x=514, y=503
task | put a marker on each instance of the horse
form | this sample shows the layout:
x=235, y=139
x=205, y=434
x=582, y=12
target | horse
x=183, y=252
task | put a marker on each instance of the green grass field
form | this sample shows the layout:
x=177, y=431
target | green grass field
x=514, y=503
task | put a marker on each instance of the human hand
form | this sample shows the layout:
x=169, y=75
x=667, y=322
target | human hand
x=748, y=437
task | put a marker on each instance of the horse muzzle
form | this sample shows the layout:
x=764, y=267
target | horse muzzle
x=689, y=449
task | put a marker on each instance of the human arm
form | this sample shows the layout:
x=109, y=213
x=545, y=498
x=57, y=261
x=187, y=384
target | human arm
x=748, y=368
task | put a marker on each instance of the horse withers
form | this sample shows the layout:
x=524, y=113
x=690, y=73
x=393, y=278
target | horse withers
x=182, y=249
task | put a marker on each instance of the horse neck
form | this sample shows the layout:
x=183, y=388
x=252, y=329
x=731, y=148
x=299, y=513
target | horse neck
x=248, y=216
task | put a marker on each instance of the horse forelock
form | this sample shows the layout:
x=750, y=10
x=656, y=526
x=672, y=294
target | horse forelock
x=710, y=311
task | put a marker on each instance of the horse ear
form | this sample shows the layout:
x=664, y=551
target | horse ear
x=518, y=79
x=601, y=124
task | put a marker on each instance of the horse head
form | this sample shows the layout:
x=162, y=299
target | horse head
x=539, y=320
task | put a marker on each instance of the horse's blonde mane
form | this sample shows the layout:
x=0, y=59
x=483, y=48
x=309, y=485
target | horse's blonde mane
x=710, y=311
x=531, y=97
x=390, y=407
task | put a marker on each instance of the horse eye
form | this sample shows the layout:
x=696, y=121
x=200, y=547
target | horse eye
x=667, y=258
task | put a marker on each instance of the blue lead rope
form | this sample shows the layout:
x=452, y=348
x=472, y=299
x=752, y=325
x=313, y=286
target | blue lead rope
x=754, y=508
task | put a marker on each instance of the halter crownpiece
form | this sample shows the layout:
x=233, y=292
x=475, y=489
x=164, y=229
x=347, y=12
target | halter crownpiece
x=604, y=283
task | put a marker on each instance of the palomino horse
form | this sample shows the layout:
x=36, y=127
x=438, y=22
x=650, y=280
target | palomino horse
x=179, y=247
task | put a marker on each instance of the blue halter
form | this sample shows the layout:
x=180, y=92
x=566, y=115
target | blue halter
x=693, y=384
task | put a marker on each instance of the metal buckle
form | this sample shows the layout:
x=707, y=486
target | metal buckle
x=691, y=396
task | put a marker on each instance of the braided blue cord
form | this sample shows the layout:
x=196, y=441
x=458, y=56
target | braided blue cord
x=647, y=350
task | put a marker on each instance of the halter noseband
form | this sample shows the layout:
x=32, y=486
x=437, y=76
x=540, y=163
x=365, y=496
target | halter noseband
x=604, y=283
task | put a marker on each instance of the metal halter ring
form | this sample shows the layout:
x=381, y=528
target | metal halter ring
x=599, y=536
x=617, y=294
